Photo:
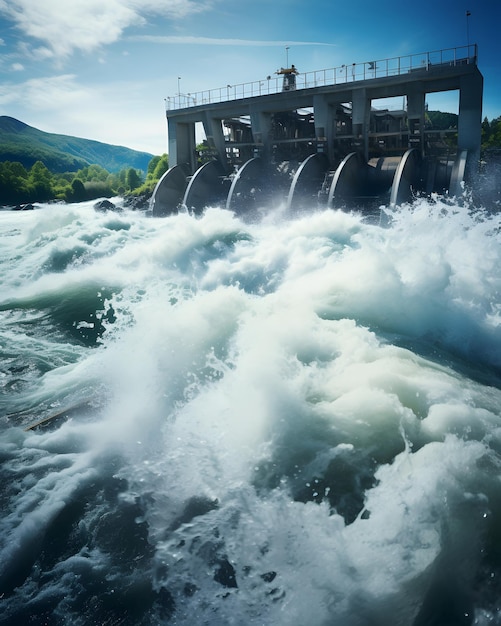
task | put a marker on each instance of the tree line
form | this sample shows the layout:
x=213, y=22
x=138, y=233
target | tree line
x=19, y=185
x=491, y=133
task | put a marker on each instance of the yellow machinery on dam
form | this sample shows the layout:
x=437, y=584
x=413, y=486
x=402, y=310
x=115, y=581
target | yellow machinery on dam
x=315, y=139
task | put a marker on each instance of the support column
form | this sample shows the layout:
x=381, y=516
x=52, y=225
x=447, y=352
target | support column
x=415, y=117
x=261, y=131
x=215, y=138
x=470, y=120
x=325, y=125
x=181, y=143
x=360, y=120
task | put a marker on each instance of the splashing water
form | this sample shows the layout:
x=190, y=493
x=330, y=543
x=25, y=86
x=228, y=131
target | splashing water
x=288, y=422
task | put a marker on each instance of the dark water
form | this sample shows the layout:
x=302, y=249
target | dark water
x=294, y=422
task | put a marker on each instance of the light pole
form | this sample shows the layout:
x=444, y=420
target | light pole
x=286, y=56
x=179, y=85
x=468, y=30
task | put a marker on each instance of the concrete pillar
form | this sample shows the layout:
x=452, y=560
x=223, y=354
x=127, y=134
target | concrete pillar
x=360, y=119
x=416, y=106
x=213, y=127
x=181, y=143
x=261, y=131
x=325, y=125
x=470, y=120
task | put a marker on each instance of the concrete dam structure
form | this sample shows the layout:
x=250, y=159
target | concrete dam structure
x=316, y=139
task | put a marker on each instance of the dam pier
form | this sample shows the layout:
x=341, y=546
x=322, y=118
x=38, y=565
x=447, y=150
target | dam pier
x=318, y=138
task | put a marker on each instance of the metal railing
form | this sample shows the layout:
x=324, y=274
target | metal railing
x=353, y=72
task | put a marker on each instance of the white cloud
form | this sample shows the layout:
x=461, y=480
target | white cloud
x=41, y=54
x=107, y=113
x=45, y=92
x=17, y=67
x=175, y=9
x=212, y=41
x=63, y=26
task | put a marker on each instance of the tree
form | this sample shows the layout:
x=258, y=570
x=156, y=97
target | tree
x=40, y=182
x=494, y=138
x=13, y=182
x=93, y=173
x=78, y=193
x=161, y=166
x=97, y=189
x=157, y=166
x=133, y=179
x=152, y=165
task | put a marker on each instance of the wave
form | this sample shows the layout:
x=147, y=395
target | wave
x=284, y=422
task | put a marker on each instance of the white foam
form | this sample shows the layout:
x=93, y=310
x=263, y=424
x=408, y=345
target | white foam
x=250, y=366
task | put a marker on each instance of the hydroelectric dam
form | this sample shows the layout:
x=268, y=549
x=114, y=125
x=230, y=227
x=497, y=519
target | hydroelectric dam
x=316, y=139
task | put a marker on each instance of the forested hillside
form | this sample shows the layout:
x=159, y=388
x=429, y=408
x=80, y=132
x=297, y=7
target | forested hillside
x=62, y=153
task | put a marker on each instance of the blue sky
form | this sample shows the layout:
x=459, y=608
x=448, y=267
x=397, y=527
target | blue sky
x=101, y=69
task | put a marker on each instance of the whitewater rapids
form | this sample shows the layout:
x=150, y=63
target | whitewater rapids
x=291, y=422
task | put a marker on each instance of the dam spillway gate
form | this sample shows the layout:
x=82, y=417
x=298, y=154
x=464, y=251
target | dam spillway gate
x=315, y=139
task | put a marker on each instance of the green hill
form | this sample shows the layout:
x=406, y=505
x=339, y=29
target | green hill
x=63, y=153
x=442, y=121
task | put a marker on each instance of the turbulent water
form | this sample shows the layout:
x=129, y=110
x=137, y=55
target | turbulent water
x=291, y=422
